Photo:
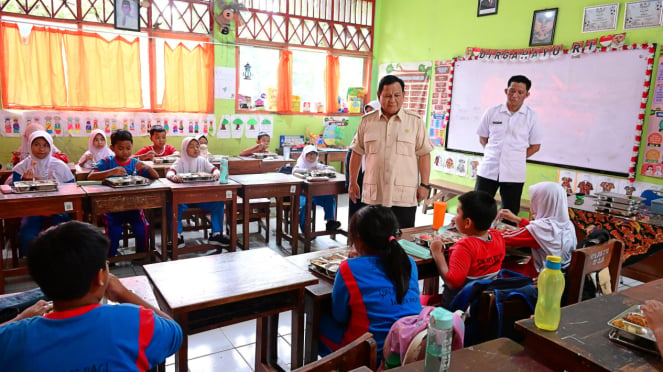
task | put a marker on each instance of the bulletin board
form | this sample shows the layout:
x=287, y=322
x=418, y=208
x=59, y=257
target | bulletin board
x=591, y=105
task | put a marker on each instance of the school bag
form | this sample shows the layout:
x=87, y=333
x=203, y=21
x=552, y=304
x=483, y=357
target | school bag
x=506, y=286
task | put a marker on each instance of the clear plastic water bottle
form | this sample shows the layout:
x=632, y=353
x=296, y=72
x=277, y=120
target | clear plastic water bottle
x=550, y=284
x=223, y=177
x=438, y=343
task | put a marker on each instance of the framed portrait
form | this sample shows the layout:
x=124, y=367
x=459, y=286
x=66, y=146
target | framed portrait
x=127, y=15
x=486, y=7
x=543, y=27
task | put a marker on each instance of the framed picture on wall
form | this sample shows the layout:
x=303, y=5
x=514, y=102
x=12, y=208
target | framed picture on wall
x=641, y=14
x=600, y=18
x=486, y=7
x=127, y=15
x=543, y=27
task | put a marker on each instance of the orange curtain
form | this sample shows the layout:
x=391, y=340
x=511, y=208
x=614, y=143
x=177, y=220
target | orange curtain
x=284, y=82
x=32, y=69
x=332, y=77
x=103, y=74
x=189, y=78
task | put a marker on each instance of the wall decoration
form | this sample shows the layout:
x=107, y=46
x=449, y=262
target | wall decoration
x=641, y=14
x=652, y=163
x=600, y=18
x=441, y=98
x=543, y=27
x=487, y=7
x=127, y=15
x=416, y=76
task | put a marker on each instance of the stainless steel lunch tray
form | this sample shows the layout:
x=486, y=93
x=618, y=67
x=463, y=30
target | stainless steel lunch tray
x=21, y=187
x=126, y=181
x=618, y=206
x=616, y=212
x=327, y=265
x=322, y=173
x=619, y=198
x=264, y=155
x=449, y=238
x=632, y=334
x=196, y=177
x=165, y=159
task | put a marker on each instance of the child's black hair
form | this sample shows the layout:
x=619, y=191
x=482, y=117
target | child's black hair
x=262, y=134
x=376, y=226
x=479, y=207
x=157, y=129
x=64, y=259
x=121, y=135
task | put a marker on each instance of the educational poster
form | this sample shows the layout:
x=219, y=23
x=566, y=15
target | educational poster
x=224, y=127
x=267, y=124
x=652, y=164
x=416, y=76
x=236, y=126
x=252, y=126
x=224, y=82
x=567, y=179
x=473, y=165
x=441, y=98
x=587, y=184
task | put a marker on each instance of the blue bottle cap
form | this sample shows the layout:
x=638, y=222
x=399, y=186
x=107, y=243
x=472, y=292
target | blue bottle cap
x=554, y=262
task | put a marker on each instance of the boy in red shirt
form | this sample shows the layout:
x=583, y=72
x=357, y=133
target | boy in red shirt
x=159, y=146
x=479, y=255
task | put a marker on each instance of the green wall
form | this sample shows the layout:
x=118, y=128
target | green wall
x=427, y=30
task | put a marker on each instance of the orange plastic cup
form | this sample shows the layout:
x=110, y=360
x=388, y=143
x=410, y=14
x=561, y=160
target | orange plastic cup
x=439, y=211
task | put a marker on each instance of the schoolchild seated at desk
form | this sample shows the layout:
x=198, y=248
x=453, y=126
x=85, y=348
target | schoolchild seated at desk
x=551, y=232
x=97, y=149
x=122, y=164
x=262, y=144
x=40, y=165
x=68, y=262
x=372, y=291
x=159, y=146
x=479, y=255
x=307, y=162
x=24, y=150
x=191, y=162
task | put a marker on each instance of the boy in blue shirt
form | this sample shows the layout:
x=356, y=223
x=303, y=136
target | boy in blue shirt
x=123, y=164
x=69, y=264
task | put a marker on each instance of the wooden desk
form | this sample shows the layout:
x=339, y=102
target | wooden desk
x=208, y=292
x=4, y=174
x=637, y=233
x=502, y=354
x=581, y=342
x=80, y=174
x=318, y=296
x=271, y=165
x=67, y=199
x=242, y=165
x=442, y=190
x=334, y=186
x=199, y=192
x=106, y=199
x=269, y=185
x=331, y=155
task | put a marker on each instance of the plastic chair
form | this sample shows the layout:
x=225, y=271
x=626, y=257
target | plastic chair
x=360, y=352
x=592, y=259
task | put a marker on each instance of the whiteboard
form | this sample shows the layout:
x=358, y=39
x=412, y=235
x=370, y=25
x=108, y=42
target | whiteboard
x=589, y=105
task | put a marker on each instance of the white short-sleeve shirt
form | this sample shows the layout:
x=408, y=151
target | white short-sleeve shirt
x=509, y=135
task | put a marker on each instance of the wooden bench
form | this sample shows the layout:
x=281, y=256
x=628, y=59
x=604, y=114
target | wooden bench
x=441, y=190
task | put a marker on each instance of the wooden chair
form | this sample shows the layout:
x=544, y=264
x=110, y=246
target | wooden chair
x=198, y=220
x=258, y=212
x=358, y=353
x=592, y=259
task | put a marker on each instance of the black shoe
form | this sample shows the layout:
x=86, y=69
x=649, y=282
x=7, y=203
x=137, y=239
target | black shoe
x=219, y=240
x=333, y=225
x=180, y=242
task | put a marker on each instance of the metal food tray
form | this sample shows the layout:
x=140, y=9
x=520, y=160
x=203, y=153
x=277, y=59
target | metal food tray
x=632, y=334
x=22, y=187
x=617, y=206
x=449, y=238
x=264, y=155
x=322, y=173
x=126, y=181
x=616, y=211
x=327, y=265
x=196, y=177
x=165, y=159
x=619, y=198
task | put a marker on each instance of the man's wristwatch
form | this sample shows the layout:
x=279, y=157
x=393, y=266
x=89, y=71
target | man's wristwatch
x=425, y=185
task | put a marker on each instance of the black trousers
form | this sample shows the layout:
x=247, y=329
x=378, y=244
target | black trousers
x=405, y=216
x=510, y=192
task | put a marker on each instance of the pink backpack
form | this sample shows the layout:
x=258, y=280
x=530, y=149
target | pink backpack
x=406, y=340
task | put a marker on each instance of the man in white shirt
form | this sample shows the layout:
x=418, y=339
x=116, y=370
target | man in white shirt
x=510, y=133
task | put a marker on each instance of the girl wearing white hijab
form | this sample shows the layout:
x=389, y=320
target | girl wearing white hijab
x=551, y=232
x=40, y=165
x=371, y=106
x=307, y=161
x=97, y=149
x=190, y=161
x=24, y=150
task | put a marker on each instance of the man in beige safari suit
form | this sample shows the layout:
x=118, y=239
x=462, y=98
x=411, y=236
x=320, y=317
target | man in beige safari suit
x=397, y=149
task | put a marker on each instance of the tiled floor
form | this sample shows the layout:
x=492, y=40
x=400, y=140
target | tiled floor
x=232, y=348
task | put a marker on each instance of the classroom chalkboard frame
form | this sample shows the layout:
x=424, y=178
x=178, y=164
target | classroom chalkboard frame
x=629, y=147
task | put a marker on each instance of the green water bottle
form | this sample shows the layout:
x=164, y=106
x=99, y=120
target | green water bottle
x=550, y=285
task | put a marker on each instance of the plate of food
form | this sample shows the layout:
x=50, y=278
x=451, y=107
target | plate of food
x=126, y=181
x=165, y=159
x=448, y=238
x=327, y=265
x=196, y=177
x=323, y=173
x=633, y=322
x=263, y=155
x=21, y=187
